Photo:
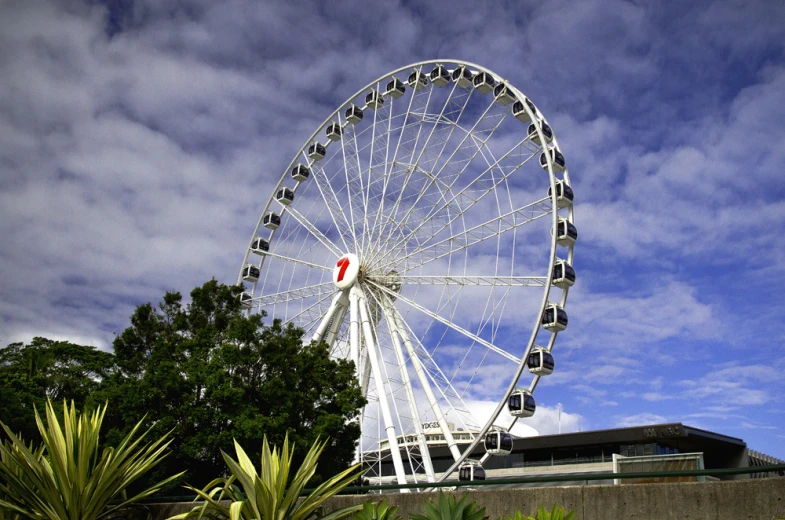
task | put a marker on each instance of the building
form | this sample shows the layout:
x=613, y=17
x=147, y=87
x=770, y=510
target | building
x=604, y=451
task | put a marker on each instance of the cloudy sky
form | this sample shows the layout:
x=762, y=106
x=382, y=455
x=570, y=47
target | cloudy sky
x=139, y=139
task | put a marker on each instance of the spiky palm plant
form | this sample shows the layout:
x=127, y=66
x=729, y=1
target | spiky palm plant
x=543, y=514
x=377, y=511
x=268, y=494
x=69, y=477
x=449, y=508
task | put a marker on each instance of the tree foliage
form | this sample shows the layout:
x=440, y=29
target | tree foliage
x=47, y=369
x=211, y=374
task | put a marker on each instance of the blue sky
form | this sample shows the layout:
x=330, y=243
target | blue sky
x=139, y=137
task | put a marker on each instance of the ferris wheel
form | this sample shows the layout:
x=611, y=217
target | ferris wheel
x=425, y=232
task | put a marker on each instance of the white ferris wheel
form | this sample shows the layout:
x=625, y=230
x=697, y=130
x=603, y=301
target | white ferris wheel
x=425, y=232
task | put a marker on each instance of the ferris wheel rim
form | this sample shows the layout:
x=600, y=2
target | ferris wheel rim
x=554, y=222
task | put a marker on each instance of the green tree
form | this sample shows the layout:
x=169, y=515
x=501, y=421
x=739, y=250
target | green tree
x=212, y=374
x=47, y=369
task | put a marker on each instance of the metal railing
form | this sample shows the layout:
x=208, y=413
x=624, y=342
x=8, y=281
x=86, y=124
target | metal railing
x=432, y=486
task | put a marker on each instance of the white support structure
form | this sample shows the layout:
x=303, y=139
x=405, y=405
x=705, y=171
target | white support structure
x=389, y=425
x=340, y=313
x=426, y=386
x=328, y=317
x=394, y=333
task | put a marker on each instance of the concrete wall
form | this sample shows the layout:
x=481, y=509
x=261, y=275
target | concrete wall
x=762, y=499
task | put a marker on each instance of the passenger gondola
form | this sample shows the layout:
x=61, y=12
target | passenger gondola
x=498, y=442
x=563, y=274
x=334, y=132
x=395, y=88
x=439, y=76
x=245, y=300
x=566, y=233
x=484, y=82
x=301, y=173
x=354, y=114
x=417, y=80
x=271, y=220
x=374, y=99
x=557, y=159
x=520, y=113
x=471, y=470
x=317, y=151
x=463, y=76
x=260, y=246
x=547, y=133
x=554, y=318
x=250, y=273
x=564, y=194
x=540, y=362
x=285, y=196
x=503, y=94
x=521, y=403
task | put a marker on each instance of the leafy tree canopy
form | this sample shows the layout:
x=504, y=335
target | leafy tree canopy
x=29, y=374
x=210, y=373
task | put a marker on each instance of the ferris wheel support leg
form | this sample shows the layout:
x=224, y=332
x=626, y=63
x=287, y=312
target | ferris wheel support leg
x=354, y=329
x=328, y=317
x=389, y=426
x=426, y=386
x=424, y=453
x=337, y=321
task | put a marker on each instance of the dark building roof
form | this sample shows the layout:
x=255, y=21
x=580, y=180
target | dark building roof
x=675, y=435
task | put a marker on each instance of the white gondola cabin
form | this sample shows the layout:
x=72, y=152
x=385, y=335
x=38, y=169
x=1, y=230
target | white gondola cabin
x=503, y=94
x=271, y=220
x=521, y=403
x=484, y=82
x=554, y=318
x=563, y=274
x=463, y=76
x=285, y=196
x=374, y=99
x=557, y=159
x=547, y=133
x=395, y=88
x=564, y=194
x=334, y=132
x=354, y=114
x=245, y=300
x=498, y=442
x=471, y=470
x=417, y=80
x=317, y=151
x=250, y=273
x=566, y=233
x=540, y=362
x=520, y=113
x=260, y=246
x=439, y=76
x=301, y=173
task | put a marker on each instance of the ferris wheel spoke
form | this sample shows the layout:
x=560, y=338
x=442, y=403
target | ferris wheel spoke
x=408, y=137
x=446, y=322
x=309, y=314
x=354, y=181
x=333, y=206
x=466, y=198
x=294, y=294
x=434, y=376
x=298, y=261
x=487, y=230
x=491, y=280
x=457, y=162
x=314, y=231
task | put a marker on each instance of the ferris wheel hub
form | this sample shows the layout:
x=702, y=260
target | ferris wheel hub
x=346, y=271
